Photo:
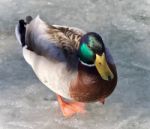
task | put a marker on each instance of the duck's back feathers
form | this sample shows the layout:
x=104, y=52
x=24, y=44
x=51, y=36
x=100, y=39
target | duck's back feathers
x=51, y=50
x=53, y=41
x=66, y=38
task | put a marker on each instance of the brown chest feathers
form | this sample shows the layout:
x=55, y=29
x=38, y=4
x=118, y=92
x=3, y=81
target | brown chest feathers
x=89, y=86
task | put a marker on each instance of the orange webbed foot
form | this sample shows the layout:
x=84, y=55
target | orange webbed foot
x=70, y=108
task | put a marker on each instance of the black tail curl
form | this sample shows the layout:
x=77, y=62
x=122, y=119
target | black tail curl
x=22, y=31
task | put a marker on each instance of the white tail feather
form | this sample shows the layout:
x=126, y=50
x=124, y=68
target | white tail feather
x=17, y=34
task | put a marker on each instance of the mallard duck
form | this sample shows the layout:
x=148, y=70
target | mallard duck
x=74, y=64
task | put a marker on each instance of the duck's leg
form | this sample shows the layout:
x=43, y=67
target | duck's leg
x=102, y=100
x=70, y=108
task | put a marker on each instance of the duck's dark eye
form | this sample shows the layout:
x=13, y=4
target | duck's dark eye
x=95, y=45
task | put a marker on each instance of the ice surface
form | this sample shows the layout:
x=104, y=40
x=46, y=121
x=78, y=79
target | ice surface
x=125, y=27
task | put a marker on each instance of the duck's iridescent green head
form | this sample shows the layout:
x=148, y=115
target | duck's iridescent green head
x=92, y=53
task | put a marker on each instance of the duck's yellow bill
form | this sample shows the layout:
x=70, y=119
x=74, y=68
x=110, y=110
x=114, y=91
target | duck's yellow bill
x=103, y=68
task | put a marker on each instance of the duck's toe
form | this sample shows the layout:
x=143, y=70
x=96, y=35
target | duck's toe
x=70, y=108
